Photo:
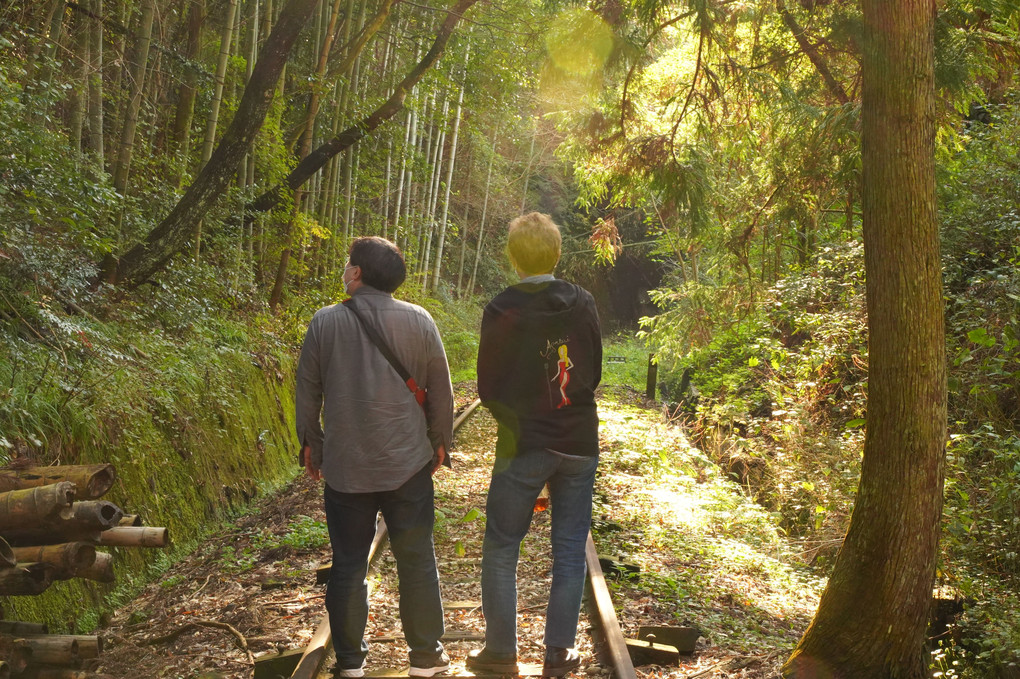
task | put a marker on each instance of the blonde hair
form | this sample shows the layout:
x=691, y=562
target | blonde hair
x=534, y=243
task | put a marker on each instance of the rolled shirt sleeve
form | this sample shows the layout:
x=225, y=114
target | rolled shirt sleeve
x=308, y=396
x=439, y=404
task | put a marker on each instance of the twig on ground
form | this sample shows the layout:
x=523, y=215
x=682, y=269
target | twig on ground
x=241, y=641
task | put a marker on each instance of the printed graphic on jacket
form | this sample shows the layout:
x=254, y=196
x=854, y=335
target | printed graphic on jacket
x=559, y=369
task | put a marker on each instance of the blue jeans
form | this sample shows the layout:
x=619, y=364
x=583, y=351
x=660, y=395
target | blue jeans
x=516, y=483
x=409, y=512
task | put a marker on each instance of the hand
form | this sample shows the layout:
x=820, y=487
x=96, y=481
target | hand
x=438, y=458
x=310, y=468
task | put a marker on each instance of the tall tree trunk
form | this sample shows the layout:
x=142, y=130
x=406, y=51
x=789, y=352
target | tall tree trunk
x=449, y=179
x=143, y=38
x=485, y=207
x=173, y=233
x=96, y=82
x=212, y=121
x=464, y=223
x=527, y=170
x=873, y=614
x=79, y=101
x=429, y=223
x=304, y=146
x=404, y=150
x=189, y=88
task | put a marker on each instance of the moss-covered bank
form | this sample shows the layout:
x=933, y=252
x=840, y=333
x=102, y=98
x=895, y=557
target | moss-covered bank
x=196, y=422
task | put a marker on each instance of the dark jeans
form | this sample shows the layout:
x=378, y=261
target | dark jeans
x=515, y=485
x=409, y=513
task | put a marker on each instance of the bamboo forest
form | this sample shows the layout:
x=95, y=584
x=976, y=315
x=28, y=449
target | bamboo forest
x=799, y=221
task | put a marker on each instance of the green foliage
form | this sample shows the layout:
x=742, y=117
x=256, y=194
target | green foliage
x=306, y=533
x=624, y=363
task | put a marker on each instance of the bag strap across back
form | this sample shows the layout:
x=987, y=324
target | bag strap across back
x=384, y=349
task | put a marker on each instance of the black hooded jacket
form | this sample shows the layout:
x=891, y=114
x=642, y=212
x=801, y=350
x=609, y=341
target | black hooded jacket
x=539, y=362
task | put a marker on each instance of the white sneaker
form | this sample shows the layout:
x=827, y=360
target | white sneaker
x=438, y=666
x=352, y=673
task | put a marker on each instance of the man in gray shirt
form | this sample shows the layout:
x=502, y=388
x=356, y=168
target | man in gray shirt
x=377, y=448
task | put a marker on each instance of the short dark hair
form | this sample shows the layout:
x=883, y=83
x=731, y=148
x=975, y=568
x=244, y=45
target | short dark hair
x=382, y=263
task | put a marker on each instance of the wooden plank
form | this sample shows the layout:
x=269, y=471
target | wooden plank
x=603, y=615
x=468, y=412
x=685, y=639
x=315, y=653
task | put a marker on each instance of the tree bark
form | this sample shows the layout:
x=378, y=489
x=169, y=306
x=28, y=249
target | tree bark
x=127, y=135
x=91, y=480
x=172, y=234
x=799, y=34
x=189, y=88
x=449, y=178
x=212, y=120
x=485, y=207
x=96, y=83
x=873, y=613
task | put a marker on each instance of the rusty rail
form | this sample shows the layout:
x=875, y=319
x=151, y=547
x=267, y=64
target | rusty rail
x=612, y=644
x=610, y=640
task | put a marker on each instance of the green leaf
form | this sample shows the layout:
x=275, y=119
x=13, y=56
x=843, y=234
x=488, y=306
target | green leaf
x=854, y=423
x=752, y=362
x=980, y=336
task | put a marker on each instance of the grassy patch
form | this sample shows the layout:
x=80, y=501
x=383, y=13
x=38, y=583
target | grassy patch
x=711, y=557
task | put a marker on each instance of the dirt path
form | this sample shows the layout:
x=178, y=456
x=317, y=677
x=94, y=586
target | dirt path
x=250, y=589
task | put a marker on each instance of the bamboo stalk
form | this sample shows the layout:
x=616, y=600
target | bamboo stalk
x=92, y=480
x=101, y=569
x=15, y=628
x=16, y=652
x=130, y=520
x=143, y=536
x=53, y=649
x=96, y=514
x=25, y=579
x=88, y=645
x=7, y=557
x=18, y=507
x=66, y=559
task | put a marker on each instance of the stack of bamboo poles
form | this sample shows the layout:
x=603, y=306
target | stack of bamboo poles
x=51, y=522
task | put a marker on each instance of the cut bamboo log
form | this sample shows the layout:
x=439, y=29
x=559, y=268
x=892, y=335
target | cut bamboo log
x=131, y=520
x=19, y=508
x=7, y=557
x=54, y=649
x=16, y=628
x=96, y=514
x=25, y=579
x=101, y=569
x=92, y=480
x=16, y=652
x=82, y=521
x=67, y=558
x=87, y=645
x=143, y=536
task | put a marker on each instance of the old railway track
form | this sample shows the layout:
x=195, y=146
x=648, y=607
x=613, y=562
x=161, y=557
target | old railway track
x=609, y=643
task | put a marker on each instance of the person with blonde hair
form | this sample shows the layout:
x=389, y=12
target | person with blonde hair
x=539, y=362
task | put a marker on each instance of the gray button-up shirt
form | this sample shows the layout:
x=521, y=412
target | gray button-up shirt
x=372, y=436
